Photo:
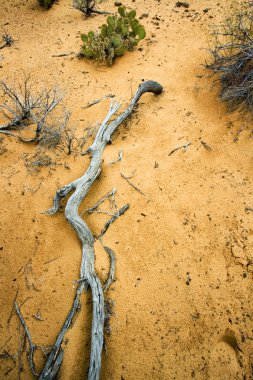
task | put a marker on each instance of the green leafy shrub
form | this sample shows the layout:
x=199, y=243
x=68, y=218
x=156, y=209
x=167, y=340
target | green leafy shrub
x=46, y=3
x=120, y=34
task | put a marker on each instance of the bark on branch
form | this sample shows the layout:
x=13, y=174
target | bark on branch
x=88, y=276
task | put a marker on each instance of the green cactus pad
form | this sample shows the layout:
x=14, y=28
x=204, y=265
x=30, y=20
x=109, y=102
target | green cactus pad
x=120, y=34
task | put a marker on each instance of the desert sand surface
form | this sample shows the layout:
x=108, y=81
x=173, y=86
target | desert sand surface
x=183, y=289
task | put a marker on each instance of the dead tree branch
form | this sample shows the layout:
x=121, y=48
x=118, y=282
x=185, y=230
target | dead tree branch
x=32, y=347
x=88, y=276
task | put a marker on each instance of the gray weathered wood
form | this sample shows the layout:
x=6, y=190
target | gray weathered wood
x=88, y=276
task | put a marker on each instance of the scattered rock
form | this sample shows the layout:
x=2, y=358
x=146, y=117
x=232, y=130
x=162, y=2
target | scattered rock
x=182, y=4
x=144, y=15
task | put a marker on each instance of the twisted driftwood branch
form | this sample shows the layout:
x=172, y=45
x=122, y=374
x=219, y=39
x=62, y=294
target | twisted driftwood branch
x=88, y=276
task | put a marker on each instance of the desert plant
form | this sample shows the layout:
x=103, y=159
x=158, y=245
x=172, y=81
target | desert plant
x=7, y=41
x=119, y=34
x=232, y=58
x=46, y=3
x=23, y=108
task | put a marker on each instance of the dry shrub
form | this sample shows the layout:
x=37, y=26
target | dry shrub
x=232, y=57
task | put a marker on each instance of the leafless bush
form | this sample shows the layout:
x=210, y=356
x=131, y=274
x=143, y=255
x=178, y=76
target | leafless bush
x=232, y=58
x=53, y=135
x=40, y=159
x=22, y=109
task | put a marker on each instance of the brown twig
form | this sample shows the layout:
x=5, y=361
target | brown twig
x=185, y=146
x=13, y=306
x=49, y=261
x=131, y=184
x=32, y=347
x=206, y=146
x=62, y=54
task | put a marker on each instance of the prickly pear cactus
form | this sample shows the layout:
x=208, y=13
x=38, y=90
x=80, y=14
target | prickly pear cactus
x=121, y=33
x=46, y=3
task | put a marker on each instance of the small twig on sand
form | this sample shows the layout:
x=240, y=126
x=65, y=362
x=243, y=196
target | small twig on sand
x=6, y=355
x=63, y=54
x=120, y=157
x=185, y=146
x=20, y=352
x=7, y=341
x=31, y=345
x=90, y=104
x=106, y=196
x=205, y=145
x=114, y=217
x=27, y=298
x=49, y=261
x=9, y=319
x=111, y=274
x=131, y=184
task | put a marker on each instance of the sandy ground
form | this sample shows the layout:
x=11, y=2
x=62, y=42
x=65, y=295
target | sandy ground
x=183, y=286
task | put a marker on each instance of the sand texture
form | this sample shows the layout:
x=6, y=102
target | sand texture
x=183, y=289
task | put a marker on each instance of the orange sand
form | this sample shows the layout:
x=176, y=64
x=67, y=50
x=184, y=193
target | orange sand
x=190, y=223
